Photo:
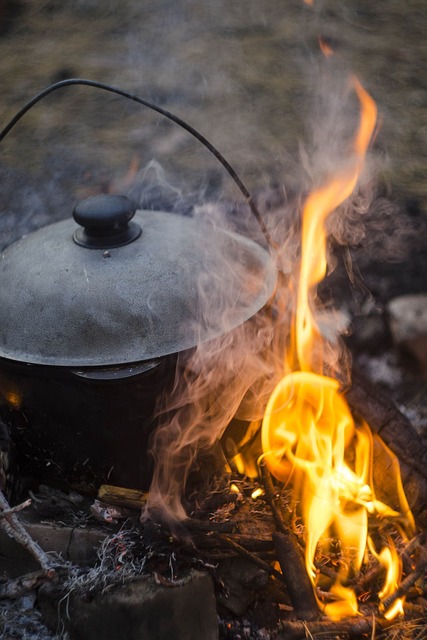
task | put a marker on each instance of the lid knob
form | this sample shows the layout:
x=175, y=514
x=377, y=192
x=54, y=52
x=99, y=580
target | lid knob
x=106, y=222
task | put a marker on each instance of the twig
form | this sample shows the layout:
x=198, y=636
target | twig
x=326, y=571
x=353, y=627
x=406, y=584
x=208, y=526
x=297, y=581
x=18, y=507
x=248, y=555
x=14, y=529
x=206, y=541
x=270, y=494
x=289, y=556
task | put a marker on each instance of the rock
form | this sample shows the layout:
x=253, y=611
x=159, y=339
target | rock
x=78, y=546
x=140, y=609
x=408, y=325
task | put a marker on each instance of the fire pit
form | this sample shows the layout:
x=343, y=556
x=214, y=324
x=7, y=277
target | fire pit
x=328, y=519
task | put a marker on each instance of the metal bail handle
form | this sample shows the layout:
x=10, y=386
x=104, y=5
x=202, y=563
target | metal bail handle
x=106, y=221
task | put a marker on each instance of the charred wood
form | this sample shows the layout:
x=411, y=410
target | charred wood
x=270, y=494
x=396, y=431
x=195, y=526
x=252, y=557
x=206, y=541
x=353, y=627
x=298, y=583
x=407, y=583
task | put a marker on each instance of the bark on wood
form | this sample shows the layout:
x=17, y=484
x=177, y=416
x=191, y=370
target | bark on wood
x=18, y=507
x=384, y=418
x=16, y=530
x=122, y=497
x=298, y=584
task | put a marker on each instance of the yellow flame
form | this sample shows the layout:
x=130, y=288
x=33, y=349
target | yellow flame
x=308, y=432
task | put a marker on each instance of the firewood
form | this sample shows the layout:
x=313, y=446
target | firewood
x=396, y=431
x=249, y=555
x=16, y=530
x=194, y=525
x=298, y=583
x=353, y=627
x=207, y=541
x=122, y=497
x=408, y=582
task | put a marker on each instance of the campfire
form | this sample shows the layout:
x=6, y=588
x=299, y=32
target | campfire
x=265, y=453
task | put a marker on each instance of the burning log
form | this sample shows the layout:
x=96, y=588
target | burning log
x=408, y=582
x=384, y=418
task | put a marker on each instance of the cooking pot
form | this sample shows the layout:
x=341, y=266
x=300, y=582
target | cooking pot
x=93, y=313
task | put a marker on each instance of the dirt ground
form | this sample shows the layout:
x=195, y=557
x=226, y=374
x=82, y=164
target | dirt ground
x=243, y=73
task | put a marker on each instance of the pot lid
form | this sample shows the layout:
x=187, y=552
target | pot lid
x=116, y=291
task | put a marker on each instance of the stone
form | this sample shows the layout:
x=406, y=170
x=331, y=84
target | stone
x=408, y=325
x=140, y=610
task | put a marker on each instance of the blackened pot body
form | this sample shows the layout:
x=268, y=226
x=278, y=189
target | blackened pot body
x=71, y=430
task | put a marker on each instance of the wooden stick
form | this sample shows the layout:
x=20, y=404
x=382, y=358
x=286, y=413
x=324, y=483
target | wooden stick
x=14, y=529
x=384, y=418
x=407, y=583
x=298, y=583
x=270, y=494
x=248, y=555
x=18, y=507
x=122, y=497
x=208, y=526
x=203, y=541
x=353, y=627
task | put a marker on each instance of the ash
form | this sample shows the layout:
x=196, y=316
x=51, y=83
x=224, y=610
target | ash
x=21, y=620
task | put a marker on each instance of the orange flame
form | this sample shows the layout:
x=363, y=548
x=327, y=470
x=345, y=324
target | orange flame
x=308, y=432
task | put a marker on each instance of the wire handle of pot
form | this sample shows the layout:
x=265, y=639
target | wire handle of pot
x=164, y=112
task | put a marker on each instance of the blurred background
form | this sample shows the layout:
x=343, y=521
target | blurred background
x=241, y=72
